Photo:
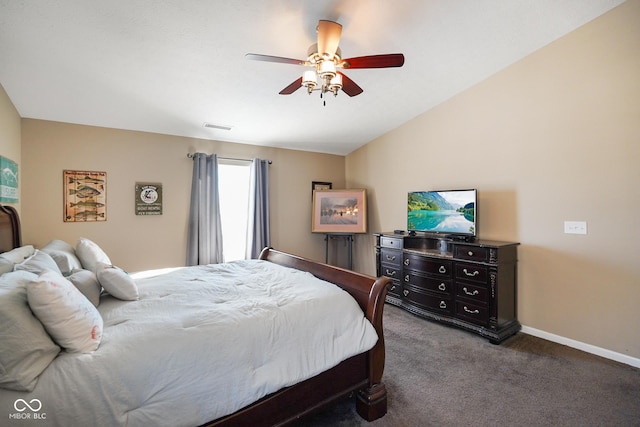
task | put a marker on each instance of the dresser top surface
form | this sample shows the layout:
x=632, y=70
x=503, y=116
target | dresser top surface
x=418, y=236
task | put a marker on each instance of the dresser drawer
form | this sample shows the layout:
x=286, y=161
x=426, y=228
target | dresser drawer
x=471, y=253
x=474, y=293
x=390, y=257
x=391, y=272
x=472, y=312
x=391, y=242
x=474, y=272
x=428, y=265
x=435, y=284
x=395, y=288
x=432, y=302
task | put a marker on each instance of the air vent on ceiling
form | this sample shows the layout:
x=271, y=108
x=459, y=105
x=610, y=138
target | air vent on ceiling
x=214, y=126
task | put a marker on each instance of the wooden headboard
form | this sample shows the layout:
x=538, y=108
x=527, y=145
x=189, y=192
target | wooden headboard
x=10, y=236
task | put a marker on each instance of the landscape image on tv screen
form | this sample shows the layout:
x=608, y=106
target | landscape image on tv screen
x=442, y=211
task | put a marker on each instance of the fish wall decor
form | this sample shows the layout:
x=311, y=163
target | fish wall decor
x=85, y=196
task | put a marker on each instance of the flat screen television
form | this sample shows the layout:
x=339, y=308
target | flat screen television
x=451, y=212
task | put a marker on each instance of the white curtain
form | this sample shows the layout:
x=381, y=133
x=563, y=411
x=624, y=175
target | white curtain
x=258, y=218
x=204, y=238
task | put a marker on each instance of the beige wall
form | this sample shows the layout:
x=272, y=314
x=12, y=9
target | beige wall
x=551, y=138
x=10, y=135
x=141, y=242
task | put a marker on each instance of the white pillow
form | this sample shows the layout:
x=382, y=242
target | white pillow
x=64, y=255
x=10, y=258
x=117, y=282
x=25, y=348
x=68, y=316
x=87, y=283
x=5, y=266
x=90, y=254
x=38, y=263
x=18, y=254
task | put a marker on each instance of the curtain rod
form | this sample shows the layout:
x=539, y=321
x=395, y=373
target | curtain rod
x=190, y=155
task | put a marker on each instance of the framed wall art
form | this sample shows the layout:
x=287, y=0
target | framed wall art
x=8, y=180
x=339, y=211
x=85, y=196
x=320, y=185
x=148, y=198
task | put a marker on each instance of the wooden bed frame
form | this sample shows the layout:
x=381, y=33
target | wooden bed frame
x=10, y=235
x=360, y=374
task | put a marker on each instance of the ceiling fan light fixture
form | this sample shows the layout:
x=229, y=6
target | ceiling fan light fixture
x=327, y=70
x=335, y=84
x=309, y=78
x=324, y=58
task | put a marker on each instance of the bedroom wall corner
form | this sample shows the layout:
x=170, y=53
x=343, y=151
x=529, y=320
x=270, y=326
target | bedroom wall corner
x=10, y=136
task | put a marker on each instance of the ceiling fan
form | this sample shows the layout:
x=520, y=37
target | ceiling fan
x=325, y=58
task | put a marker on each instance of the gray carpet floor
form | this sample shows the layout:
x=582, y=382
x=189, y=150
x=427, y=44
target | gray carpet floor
x=437, y=375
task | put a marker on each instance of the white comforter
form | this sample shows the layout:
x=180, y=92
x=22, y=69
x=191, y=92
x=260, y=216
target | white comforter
x=200, y=343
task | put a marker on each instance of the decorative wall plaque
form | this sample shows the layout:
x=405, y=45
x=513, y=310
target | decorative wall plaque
x=8, y=180
x=148, y=199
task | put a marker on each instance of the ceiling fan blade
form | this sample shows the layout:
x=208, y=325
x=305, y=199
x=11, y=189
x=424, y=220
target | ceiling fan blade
x=374, y=61
x=329, y=33
x=349, y=86
x=279, y=59
x=292, y=87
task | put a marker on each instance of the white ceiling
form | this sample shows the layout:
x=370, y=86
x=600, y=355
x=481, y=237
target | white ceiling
x=171, y=66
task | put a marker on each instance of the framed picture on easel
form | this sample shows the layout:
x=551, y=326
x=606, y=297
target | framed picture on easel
x=339, y=211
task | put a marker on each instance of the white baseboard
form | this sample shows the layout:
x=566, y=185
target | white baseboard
x=598, y=351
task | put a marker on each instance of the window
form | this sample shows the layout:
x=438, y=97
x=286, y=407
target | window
x=233, y=187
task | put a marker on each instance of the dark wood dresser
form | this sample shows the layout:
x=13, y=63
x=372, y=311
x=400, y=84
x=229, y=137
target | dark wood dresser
x=468, y=284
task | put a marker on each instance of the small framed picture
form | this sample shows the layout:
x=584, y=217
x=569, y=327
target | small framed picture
x=339, y=211
x=320, y=185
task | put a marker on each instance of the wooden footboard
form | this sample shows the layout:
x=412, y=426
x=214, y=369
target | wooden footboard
x=361, y=374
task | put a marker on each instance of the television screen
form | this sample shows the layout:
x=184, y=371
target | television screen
x=448, y=212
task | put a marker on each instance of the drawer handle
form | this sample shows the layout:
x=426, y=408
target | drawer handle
x=405, y=292
x=391, y=257
x=442, y=287
x=442, y=269
x=475, y=291
x=470, y=253
x=406, y=278
x=475, y=273
x=406, y=261
x=476, y=311
x=443, y=304
x=390, y=273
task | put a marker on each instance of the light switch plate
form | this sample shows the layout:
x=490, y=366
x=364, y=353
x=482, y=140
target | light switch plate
x=575, y=227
